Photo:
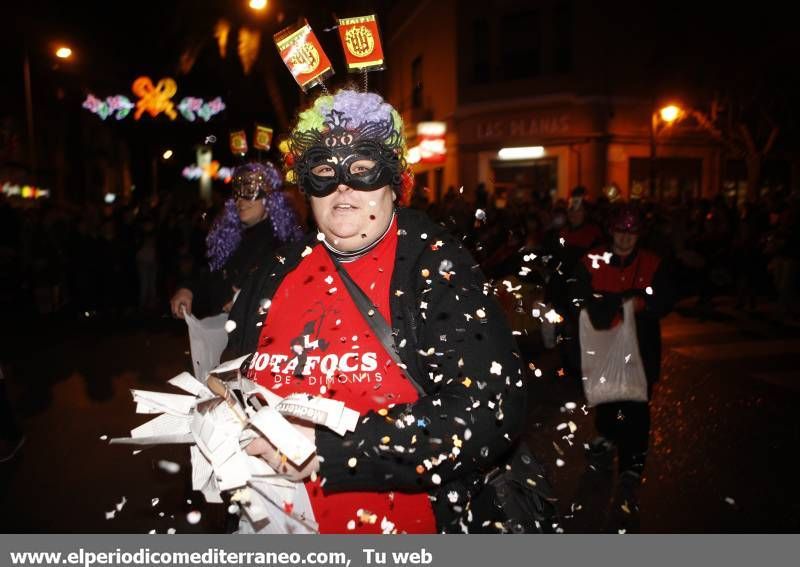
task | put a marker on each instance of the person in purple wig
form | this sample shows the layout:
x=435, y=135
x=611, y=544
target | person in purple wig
x=256, y=220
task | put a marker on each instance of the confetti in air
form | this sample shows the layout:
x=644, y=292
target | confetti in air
x=596, y=258
x=169, y=466
x=553, y=317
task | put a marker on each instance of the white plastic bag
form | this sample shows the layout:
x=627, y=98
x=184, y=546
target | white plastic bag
x=207, y=339
x=610, y=360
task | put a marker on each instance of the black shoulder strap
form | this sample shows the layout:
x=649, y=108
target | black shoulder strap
x=375, y=321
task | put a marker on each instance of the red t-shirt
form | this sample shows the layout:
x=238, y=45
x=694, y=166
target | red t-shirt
x=314, y=340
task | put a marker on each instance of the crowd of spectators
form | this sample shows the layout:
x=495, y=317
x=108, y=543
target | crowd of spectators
x=125, y=259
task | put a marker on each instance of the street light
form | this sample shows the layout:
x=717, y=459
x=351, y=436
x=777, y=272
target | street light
x=670, y=113
x=667, y=115
x=63, y=52
x=258, y=4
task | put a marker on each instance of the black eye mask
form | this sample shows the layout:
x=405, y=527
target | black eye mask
x=363, y=166
x=345, y=150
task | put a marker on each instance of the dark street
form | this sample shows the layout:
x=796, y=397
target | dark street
x=724, y=424
x=378, y=201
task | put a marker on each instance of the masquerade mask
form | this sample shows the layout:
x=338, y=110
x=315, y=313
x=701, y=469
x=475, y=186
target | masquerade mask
x=254, y=180
x=363, y=166
x=365, y=158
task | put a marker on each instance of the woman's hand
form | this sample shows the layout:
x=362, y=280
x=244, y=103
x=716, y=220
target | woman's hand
x=182, y=299
x=228, y=306
x=262, y=448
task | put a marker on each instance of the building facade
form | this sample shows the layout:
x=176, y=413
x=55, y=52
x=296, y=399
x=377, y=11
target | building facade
x=539, y=97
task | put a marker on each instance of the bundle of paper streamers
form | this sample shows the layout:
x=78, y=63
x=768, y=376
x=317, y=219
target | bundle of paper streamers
x=218, y=419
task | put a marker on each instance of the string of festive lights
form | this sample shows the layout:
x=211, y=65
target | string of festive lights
x=191, y=107
x=120, y=106
x=213, y=170
x=154, y=99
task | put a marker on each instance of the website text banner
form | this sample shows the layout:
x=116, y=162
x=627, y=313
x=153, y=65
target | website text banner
x=368, y=551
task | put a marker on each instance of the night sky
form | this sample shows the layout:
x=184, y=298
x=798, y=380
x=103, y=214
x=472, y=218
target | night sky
x=113, y=45
x=700, y=47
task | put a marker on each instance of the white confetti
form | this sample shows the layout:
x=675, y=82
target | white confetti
x=193, y=517
x=387, y=527
x=436, y=479
x=596, y=258
x=121, y=504
x=559, y=463
x=553, y=317
x=496, y=368
x=730, y=501
x=480, y=313
x=480, y=214
x=424, y=236
x=329, y=280
x=352, y=462
x=171, y=531
x=351, y=525
x=230, y=326
x=627, y=358
x=308, y=249
x=537, y=373
x=169, y=466
x=151, y=532
x=570, y=405
x=154, y=502
x=452, y=496
x=320, y=237
x=648, y=290
x=103, y=437
x=445, y=266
